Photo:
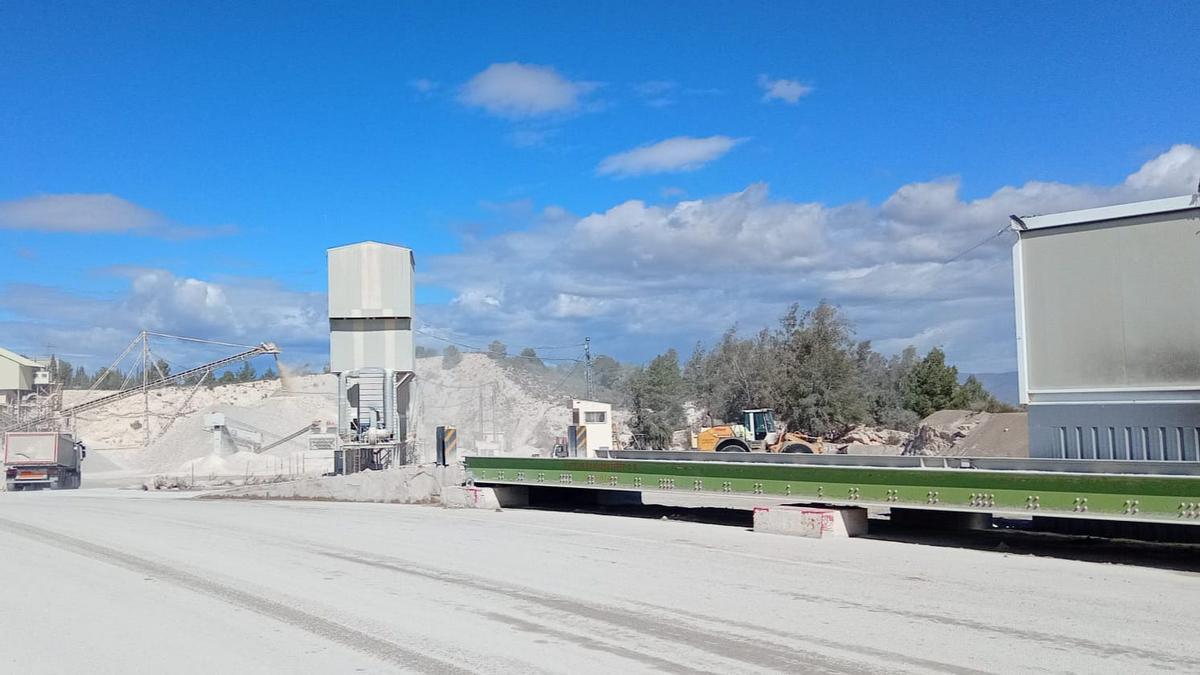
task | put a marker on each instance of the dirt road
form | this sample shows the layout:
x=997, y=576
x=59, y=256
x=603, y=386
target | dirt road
x=111, y=581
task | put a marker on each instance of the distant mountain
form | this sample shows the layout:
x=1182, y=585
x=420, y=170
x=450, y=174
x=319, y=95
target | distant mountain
x=1001, y=385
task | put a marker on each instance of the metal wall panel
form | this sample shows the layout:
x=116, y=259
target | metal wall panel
x=371, y=343
x=371, y=301
x=1113, y=304
x=1132, y=431
x=371, y=280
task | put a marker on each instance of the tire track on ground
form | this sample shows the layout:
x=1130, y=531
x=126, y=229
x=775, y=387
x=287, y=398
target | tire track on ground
x=359, y=641
x=746, y=650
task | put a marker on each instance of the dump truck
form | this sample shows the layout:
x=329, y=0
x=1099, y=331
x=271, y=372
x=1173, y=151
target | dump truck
x=42, y=460
x=757, y=432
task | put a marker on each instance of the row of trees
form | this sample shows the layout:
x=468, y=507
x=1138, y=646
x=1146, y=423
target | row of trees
x=77, y=377
x=497, y=350
x=810, y=369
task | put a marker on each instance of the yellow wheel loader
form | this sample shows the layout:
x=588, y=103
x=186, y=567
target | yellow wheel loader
x=758, y=432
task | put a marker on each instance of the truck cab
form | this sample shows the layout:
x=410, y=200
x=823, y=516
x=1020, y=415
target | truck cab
x=761, y=430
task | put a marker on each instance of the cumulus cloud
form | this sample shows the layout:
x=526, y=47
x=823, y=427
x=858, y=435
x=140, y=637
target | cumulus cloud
x=95, y=214
x=681, y=153
x=520, y=90
x=640, y=277
x=94, y=328
x=788, y=91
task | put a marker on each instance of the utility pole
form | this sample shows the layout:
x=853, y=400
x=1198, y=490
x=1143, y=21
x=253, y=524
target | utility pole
x=479, y=432
x=145, y=390
x=587, y=366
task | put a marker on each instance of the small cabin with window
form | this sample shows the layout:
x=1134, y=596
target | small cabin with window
x=595, y=419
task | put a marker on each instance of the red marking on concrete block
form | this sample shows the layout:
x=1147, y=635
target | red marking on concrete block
x=804, y=521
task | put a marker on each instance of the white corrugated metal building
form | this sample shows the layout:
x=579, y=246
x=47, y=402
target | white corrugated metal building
x=371, y=307
x=18, y=375
x=1108, y=330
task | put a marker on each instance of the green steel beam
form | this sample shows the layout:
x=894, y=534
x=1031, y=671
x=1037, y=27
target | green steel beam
x=1137, y=497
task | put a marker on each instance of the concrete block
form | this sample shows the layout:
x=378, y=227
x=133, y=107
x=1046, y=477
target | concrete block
x=817, y=523
x=469, y=497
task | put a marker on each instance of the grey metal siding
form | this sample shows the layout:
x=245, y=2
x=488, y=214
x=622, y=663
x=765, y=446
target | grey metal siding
x=1136, y=431
x=1113, y=304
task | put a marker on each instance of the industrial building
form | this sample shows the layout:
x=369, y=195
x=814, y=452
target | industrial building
x=20, y=376
x=371, y=350
x=1108, y=334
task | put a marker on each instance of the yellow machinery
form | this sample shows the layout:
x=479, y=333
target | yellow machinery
x=758, y=432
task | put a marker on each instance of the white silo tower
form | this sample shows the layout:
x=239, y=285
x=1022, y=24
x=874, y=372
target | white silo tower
x=371, y=299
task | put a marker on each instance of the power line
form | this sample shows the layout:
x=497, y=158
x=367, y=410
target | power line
x=999, y=232
x=472, y=349
x=200, y=340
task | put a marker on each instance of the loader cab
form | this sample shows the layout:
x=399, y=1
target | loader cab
x=760, y=424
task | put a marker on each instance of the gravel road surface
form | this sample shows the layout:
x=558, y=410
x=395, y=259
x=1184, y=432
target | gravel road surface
x=110, y=581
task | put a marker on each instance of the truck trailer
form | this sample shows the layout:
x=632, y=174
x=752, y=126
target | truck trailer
x=42, y=460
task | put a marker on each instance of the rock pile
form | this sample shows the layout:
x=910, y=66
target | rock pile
x=970, y=433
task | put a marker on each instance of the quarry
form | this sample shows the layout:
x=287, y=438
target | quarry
x=473, y=514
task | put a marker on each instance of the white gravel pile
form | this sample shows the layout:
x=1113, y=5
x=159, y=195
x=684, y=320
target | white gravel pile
x=478, y=396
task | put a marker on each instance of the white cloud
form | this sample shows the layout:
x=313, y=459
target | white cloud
x=652, y=88
x=681, y=153
x=788, y=91
x=96, y=214
x=640, y=277
x=657, y=93
x=236, y=310
x=423, y=86
x=519, y=90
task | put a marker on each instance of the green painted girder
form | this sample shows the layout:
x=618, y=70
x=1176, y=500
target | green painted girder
x=1141, y=497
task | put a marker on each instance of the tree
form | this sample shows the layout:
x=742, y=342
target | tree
x=884, y=380
x=451, y=357
x=268, y=374
x=80, y=379
x=656, y=393
x=245, y=373
x=110, y=380
x=606, y=371
x=530, y=357
x=932, y=385
x=161, y=369
x=60, y=371
x=497, y=350
x=817, y=382
x=422, y=352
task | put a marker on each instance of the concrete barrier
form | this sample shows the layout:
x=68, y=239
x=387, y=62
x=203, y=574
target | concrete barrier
x=469, y=497
x=817, y=523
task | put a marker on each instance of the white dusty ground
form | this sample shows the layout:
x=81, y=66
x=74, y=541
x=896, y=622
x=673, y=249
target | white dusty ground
x=151, y=582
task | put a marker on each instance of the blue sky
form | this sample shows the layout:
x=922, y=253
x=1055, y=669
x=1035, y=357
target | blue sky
x=184, y=168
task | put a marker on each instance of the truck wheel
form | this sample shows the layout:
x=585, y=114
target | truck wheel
x=732, y=446
x=798, y=447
